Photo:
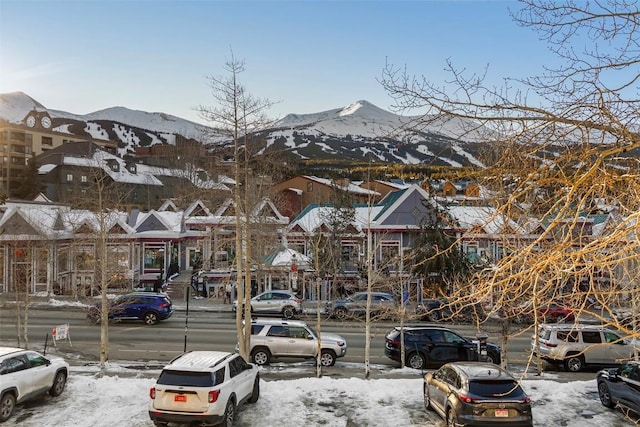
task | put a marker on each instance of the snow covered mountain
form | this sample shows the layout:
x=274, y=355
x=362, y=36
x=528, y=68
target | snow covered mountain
x=360, y=131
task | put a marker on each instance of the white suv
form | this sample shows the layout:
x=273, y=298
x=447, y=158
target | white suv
x=204, y=387
x=280, y=303
x=576, y=346
x=27, y=375
x=292, y=338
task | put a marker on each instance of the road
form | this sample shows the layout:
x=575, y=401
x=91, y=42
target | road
x=135, y=341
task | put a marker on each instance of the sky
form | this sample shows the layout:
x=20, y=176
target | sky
x=306, y=56
x=121, y=399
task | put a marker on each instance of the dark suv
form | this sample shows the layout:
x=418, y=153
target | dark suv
x=147, y=306
x=478, y=394
x=433, y=346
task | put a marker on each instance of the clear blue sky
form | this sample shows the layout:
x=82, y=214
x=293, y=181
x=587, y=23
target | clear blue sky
x=154, y=55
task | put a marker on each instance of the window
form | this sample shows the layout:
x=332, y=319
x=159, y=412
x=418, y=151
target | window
x=36, y=359
x=83, y=178
x=255, y=329
x=277, y=331
x=69, y=177
x=309, y=187
x=568, y=336
x=47, y=140
x=591, y=337
x=610, y=337
x=188, y=378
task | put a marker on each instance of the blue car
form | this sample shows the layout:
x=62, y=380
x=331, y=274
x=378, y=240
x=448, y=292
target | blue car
x=146, y=306
x=621, y=387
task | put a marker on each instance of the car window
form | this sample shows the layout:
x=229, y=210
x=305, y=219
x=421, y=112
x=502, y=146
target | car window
x=277, y=331
x=236, y=366
x=13, y=364
x=298, y=332
x=266, y=296
x=450, y=337
x=591, y=337
x=188, y=378
x=359, y=297
x=626, y=371
x=256, y=329
x=635, y=374
x=611, y=337
x=36, y=359
x=493, y=388
x=452, y=378
x=281, y=296
x=568, y=336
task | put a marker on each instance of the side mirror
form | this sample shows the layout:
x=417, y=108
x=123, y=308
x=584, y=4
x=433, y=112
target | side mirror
x=47, y=362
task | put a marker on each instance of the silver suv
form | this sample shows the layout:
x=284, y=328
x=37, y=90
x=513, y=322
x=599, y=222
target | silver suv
x=286, y=338
x=576, y=345
x=283, y=303
x=204, y=387
x=27, y=375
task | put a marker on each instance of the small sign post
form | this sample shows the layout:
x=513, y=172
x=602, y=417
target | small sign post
x=61, y=332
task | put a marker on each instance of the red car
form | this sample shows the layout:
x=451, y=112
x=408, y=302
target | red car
x=556, y=312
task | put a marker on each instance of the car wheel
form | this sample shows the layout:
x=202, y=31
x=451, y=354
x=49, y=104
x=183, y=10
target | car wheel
x=416, y=360
x=427, y=398
x=605, y=396
x=7, y=405
x=327, y=358
x=493, y=357
x=261, y=356
x=150, y=318
x=58, y=384
x=288, y=312
x=229, y=414
x=574, y=363
x=340, y=313
x=255, y=393
x=451, y=418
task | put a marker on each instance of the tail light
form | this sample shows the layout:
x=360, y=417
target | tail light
x=525, y=400
x=164, y=305
x=393, y=342
x=550, y=344
x=152, y=392
x=213, y=395
x=467, y=399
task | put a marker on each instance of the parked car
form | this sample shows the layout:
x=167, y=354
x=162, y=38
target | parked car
x=621, y=386
x=279, y=338
x=27, y=375
x=284, y=303
x=433, y=310
x=576, y=345
x=433, y=346
x=356, y=305
x=477, y=393
x=146, y=306
x=203, y=387
x=556, y=312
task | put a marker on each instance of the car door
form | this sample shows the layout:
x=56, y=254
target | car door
x=447, y=346
x=262, y=303
x=241, y=376
x=594, y=351
x=439, y=388
x=301, y=342
x=41, y=374
x=358, y=303
x=630, y=387
x=278, y=340
x=617, y=349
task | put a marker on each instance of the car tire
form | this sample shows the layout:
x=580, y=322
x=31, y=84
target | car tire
x=427, y=398
x=7, y=405
x=574, y=363
x=59, y=382
x=150, y=318
x=255, y=393
x=605, y=395
x=340, y=313
x=229, y=414
x=416, y=360
x=493, y=357
x=261, y=356
x=288, y=312
x=327, y=358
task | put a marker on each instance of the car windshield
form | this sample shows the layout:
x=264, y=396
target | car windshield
x=495, y=388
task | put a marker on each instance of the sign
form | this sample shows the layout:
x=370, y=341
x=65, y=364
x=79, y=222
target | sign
x=61, y=332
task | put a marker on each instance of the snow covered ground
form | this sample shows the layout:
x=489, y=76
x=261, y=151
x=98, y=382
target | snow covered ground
x=121, y=398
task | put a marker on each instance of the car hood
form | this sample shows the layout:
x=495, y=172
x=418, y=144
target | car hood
x=326, y=336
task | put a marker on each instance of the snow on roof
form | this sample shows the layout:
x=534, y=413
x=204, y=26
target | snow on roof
x=351, y=188
x=488, y=218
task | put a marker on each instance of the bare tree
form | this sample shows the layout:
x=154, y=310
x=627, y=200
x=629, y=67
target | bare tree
x=235, y=116
x=562, y=152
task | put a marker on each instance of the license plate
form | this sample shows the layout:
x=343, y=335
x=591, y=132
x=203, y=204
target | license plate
x=183, y=398
x=502, y=413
